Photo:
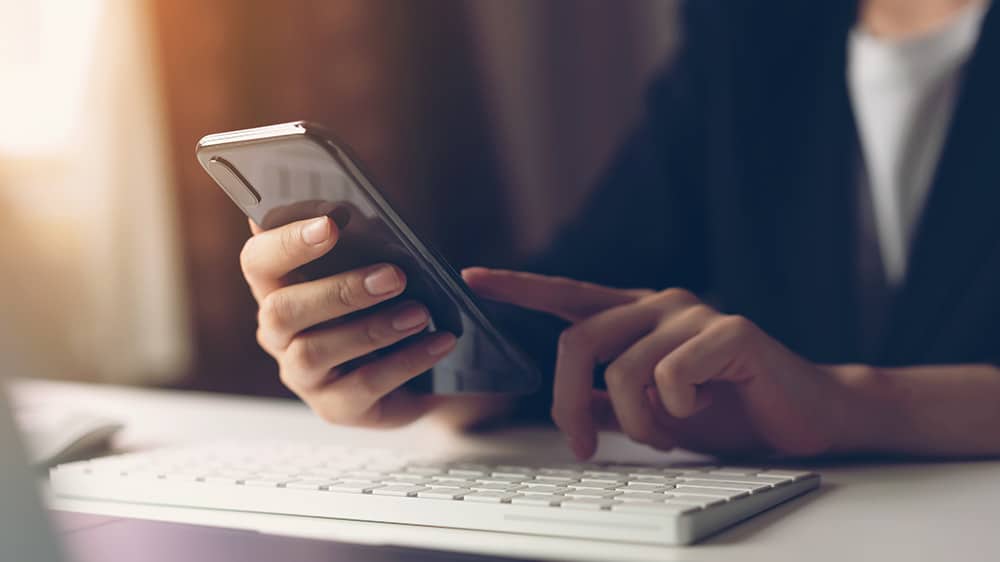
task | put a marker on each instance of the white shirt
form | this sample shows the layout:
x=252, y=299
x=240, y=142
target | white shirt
x=903, y=95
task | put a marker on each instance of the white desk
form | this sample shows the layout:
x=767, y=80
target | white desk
x=912, y=511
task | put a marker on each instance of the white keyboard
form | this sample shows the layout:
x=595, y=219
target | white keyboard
x=649, y=504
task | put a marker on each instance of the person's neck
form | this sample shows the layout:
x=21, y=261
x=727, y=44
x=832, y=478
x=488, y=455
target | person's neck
x=902, y=19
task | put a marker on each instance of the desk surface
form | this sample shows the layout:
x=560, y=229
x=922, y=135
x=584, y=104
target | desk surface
x=900, y=511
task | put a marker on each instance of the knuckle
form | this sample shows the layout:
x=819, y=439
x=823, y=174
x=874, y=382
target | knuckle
x=264, y=341
x=665, y=372
x=678, y=295
x=699, y=312
x=375, y=331
x=291, y=242
x=275, y=312
x=616, y=375
x=343, y=295
x=286, y=378
x=248, y=255
x=304, y=354
x=574, y=337
x=736, y=325
x=360, y=386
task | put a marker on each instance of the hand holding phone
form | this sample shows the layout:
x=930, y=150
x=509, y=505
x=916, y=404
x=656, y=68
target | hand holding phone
x=314, y=361
x=353, y=304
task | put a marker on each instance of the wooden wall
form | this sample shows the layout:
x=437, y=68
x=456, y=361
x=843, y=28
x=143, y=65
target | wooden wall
x=394, y=78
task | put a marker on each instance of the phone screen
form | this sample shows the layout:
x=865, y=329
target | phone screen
x=288, y=173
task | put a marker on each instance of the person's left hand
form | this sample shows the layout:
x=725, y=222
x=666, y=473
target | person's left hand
x=679, y=372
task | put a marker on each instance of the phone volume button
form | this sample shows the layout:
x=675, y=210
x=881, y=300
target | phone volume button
x=233, y=183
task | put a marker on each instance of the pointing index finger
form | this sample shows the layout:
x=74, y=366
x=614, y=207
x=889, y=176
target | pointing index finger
x=566, y=298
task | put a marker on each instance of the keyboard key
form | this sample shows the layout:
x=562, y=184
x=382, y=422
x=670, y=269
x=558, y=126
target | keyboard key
x=589, y=504
x=661, y=480
x=590, y=486
x=443, y=493
x=500, y=480
x=542, y=500
x=640, y=497
x=725, y=494
x=308, y=484
x=408, y=476
x=783, y=474
x=397, y=482
x=609, y=481
x=591, y=493
x=736, y=471
x=489, y=497
x=397, y=490
x=494, y=487
x=544, y=487
x=353, y=487
x=455, y=479
x=520, y=474
x=730, y=479
x=265, y=482
x=728, y=486
x=643, y=486
x=703, y=501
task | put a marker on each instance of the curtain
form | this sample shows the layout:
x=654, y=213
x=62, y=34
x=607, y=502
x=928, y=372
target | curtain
x=91, y=279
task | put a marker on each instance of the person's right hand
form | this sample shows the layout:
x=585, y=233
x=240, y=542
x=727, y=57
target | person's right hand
x=295, y=328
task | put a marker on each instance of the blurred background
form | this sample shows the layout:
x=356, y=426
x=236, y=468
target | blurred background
x=485, y=120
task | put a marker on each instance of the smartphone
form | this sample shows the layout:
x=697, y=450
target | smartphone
x=293, y=171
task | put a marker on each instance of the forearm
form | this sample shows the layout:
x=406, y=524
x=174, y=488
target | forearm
x=942, y=410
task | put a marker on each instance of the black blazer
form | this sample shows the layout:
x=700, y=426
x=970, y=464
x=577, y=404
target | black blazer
x=740, y=185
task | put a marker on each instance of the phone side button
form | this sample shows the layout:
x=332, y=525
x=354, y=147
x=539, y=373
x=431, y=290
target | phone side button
x=233, y=183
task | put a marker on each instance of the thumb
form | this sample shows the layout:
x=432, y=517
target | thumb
x=568, y=299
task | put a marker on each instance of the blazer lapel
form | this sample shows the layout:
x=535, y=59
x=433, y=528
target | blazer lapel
x=961, y=221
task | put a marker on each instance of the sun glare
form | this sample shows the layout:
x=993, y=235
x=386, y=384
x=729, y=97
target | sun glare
x=46, y=52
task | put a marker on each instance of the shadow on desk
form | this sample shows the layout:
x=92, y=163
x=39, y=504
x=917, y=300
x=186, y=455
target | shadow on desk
x=742, y=531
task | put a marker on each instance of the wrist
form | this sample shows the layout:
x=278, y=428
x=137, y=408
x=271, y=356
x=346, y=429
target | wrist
x=862, y=419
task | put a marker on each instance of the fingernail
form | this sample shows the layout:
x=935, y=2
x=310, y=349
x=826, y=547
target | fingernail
x=409, y=318
x=441, y=344
x=381, y=281
x=316, y=232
